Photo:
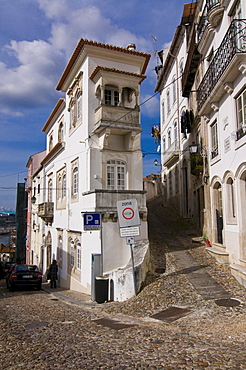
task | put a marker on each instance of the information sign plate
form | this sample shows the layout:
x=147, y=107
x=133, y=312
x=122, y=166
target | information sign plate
x=129, y=231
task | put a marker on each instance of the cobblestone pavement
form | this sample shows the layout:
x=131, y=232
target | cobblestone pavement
x=60, y=329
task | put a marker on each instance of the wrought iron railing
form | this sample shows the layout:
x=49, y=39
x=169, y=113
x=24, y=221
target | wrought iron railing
x=233, y=42
x=202, y=24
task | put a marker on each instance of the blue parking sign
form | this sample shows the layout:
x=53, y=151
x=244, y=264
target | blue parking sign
x=92, y=221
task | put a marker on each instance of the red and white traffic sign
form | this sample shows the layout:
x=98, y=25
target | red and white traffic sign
x=128, y=214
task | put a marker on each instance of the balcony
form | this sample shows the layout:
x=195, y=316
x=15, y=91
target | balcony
x=105, y=201
x=223, y=68
x=46, y=211
x=171, y=155
x=117, y=118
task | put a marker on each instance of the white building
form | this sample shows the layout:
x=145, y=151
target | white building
x=213, y=82
x=179, y=129
x=93, y=159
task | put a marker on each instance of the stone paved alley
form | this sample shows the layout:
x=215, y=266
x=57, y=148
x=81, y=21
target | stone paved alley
x=191, y=315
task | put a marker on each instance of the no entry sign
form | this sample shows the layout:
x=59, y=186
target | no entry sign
x=128, y=214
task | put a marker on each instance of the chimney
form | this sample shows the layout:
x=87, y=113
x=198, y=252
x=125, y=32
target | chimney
x=131, y=47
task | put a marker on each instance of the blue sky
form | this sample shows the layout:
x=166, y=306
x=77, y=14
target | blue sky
x=37, y=38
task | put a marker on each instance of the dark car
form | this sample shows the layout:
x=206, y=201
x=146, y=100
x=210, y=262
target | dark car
x=25, y=276
x=6, y=267
x=9, y=273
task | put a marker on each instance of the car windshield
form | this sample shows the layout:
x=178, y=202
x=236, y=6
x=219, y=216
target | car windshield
x=27, y=268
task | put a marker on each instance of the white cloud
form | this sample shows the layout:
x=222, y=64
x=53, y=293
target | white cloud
x=32, y=82
x=39, y=63
x=150, y=106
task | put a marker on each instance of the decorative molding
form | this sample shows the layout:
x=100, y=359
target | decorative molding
x=242, y=68
x=215, y=107
x=228, y=88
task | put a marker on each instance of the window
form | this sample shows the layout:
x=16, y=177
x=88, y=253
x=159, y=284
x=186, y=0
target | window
x=60, y=251
x=169, y=138
x=176, y=180
x=72, y=253
x=116, y=175
x=64, y=184
x=75, y=185
x=72, y=114
x=174, y=89
x=181, y=70
x=164, y=144
x=231, y=199
x=79, y=105
x=241, y=115
x=38, y=188
x=175, y=131
x=79, y=256
x=59, y=187
x=111, y=96
x=60, y=132
x=214, y=140
x=163, y=111
x=168, y=101
x=50, y=142
x=50, y=186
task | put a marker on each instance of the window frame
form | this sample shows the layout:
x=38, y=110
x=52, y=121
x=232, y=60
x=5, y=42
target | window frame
x=214, y=139
x=111, y=96
x=117, y=170
x=75, y=182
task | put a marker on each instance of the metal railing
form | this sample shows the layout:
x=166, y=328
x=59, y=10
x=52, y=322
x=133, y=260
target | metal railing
x=233, y=42
x=202, y=24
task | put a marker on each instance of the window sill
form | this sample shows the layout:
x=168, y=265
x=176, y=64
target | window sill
x=215, y=159
x=239, y=143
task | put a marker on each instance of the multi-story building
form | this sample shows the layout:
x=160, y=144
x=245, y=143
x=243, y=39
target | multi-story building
x=213, y=83
x=93, y=159
x=181, y=170
x=33, y=190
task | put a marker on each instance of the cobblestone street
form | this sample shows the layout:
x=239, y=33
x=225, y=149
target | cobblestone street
x=199, y=315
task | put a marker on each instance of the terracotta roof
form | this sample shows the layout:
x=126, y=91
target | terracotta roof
x=4, y=249
x=80, y=46
x=114, y=70
x=53, y=113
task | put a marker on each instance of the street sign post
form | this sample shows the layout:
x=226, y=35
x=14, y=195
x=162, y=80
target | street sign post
x=92, y=221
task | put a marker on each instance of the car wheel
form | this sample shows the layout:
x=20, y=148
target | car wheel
x=39, y=287
x=11, y=287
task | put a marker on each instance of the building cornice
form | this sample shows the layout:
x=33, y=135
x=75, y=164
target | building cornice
x=98, y=69
x=82, y=44
x=59, y=107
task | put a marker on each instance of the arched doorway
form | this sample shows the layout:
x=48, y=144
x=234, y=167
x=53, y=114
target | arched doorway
x=184, y=200
x=48, y=249
x=218, y=213
x=242, y=214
